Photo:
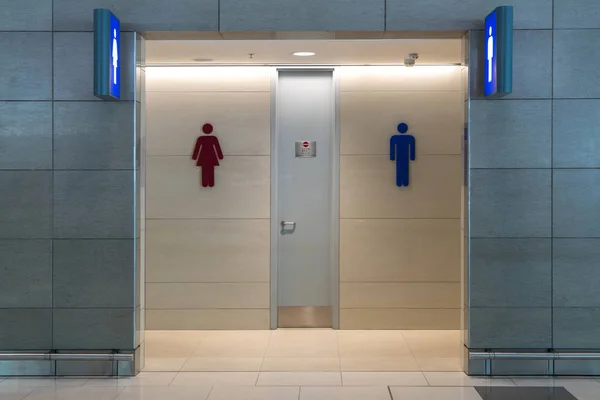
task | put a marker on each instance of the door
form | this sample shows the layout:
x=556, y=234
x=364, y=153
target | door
x=306, y=159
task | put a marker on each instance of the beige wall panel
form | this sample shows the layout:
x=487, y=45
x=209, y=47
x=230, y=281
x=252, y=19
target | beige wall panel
x=400, y=78
x=206, y=319
x=241, y=121
x=208, y=250
x=400, y=318
x=400, y=250
x=205, y=79
x=241, y=188
x=173, y=296
x=369, y=119
x=368, y=188
x=400, y=295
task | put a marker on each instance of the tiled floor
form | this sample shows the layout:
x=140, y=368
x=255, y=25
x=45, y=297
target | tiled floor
x=303, y=350
x=300, y=386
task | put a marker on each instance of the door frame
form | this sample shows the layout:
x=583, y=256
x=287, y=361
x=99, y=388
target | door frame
x=334, y=274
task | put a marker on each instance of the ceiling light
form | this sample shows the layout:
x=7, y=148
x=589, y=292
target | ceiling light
x=304, y=53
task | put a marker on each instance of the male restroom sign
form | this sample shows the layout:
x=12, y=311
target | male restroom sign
x=402, y=151
x=107, y=55
x=498, y=50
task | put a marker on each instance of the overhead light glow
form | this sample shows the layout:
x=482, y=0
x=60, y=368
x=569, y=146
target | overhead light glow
x=304, y=53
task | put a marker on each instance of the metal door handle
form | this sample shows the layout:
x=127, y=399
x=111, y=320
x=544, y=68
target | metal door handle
x=287, y=227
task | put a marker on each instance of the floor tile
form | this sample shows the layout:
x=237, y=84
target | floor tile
x=299, y=379
x=440, y=364
x=232, y=346
x=549, y=381
x=164, y=393
x=43, y=382
x=142, y=379
x=584, y=392
x=301, y=365
x=206, y=364
x=155, y=364
x=433, y=343
x=15, y=393
x=344, y=393
x=372, y=344
x=254, y=393
x=290, y=343
x=461, y=379
x=389, y=364
x=435, y=393
x=383, y=379
x=74, y=393
x=215, y=378
x=524, y=393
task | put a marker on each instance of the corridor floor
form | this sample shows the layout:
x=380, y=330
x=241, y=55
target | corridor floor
x=300, y=386
x=303, y=350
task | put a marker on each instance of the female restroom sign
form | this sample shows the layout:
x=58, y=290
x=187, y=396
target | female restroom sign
x=207, y=153
x=498, y=49
x=107, y=55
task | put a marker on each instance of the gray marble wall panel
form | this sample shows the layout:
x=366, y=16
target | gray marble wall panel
x=576, y=328
x=93, y=273
x=576, y=60
x=307, y=15
x=26, y=271
x=94, y=135
x=26, y=66
x=576, y=279
x=26, y=15
x=576, y=133
x=93, y=329
x=576, y=203
x=26, y=204
x=510, y=328
x=139, y=15
x=532, y=65
x=511, y=273
x=94, y=204
x=511, y=134
x=74, y=66
x=25, y=135
x=576, y=14
x=510, y=203
x=29, y=329
x=436, y=15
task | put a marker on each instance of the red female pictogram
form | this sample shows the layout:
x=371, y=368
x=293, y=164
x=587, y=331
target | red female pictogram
x=207, y=152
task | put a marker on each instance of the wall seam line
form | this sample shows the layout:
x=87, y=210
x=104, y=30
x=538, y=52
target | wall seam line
x=52, y=194
x=552, y=182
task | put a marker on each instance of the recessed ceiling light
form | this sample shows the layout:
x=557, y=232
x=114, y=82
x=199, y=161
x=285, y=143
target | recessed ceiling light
x=203, y=59
x=304, y=53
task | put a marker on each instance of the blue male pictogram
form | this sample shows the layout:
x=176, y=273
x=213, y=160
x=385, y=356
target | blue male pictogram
x=402, y=150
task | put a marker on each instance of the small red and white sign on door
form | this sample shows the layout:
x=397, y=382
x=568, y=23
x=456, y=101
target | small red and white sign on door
x=306, y=149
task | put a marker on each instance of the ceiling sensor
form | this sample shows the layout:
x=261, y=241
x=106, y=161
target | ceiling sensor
x=411, y=60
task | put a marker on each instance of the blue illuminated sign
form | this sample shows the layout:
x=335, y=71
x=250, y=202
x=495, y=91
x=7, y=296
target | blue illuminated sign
x=498, y=49
x=491, y=54
x=107, y=55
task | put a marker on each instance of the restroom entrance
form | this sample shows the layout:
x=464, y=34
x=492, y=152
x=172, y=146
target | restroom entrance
x=303, y=181
x=304, y=255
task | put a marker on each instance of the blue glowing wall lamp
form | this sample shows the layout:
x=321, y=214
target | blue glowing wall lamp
x=107, y=55
x=498, y=51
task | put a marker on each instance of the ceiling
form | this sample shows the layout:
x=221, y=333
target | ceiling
x=332, y=52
